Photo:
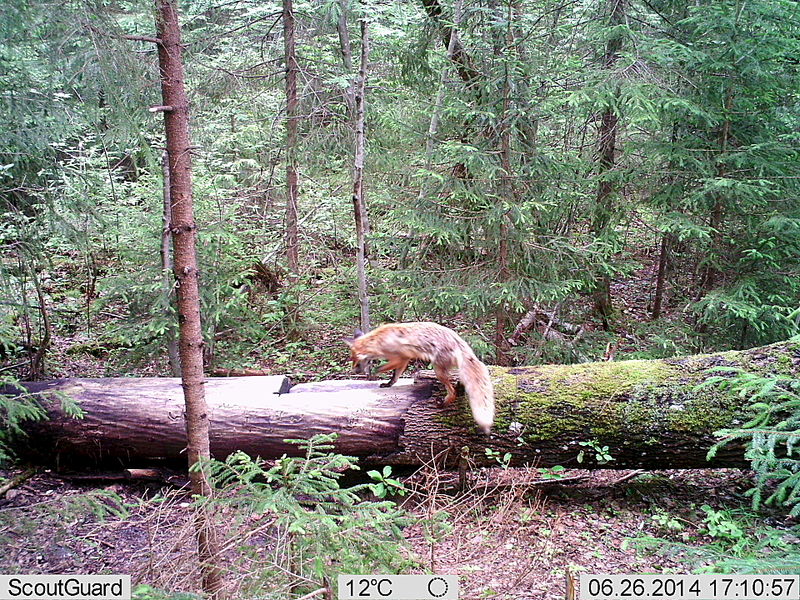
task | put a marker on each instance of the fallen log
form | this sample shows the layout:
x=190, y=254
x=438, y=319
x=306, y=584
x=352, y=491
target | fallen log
x=17, y=480
x=650, y=414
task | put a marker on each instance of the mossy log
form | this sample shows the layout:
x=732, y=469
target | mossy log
x=650, y=413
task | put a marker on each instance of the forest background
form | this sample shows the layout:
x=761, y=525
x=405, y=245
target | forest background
x=622, y=172
x=559, y=181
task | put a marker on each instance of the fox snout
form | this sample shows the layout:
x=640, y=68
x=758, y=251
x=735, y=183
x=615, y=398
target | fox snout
x=361, y=366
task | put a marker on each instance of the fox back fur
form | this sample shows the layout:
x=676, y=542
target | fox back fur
x=400, y=343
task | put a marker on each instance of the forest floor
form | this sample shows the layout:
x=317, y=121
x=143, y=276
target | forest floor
x=514, y=536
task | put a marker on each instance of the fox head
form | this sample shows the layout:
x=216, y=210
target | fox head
x=361, y=361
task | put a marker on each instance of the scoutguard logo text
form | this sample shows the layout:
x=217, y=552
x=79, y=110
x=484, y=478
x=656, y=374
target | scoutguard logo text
x=65, y=587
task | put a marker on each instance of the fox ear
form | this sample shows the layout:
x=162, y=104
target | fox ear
x=350, y=341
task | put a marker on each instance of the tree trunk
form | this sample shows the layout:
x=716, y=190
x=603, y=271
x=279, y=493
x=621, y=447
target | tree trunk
x=508, y=196
x=607, y=160
x=37, y=360
x=528, y=124
x=346, y=50
x=433, y=129
x=183, y=227
x=650, y=413
x=661, y=276
x=501, y=344
x=290, y=57
x=711, y=272
x=459, y=55
x=465, y=67
x=359, y=202
x=345, y=47
x=166, y=267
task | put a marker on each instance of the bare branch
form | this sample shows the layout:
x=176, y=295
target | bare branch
x=142, y=38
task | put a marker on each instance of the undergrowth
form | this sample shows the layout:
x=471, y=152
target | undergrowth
x=17, y=406
x=739, y=540
x=294, y=526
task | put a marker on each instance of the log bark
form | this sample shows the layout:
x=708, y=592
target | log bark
x=650, y=413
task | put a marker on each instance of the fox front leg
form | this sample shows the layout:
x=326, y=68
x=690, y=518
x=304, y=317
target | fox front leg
x=370, y=370
x=399, y=365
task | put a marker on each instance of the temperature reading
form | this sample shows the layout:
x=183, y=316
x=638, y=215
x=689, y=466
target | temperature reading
x=398, y=587
x=367, y=588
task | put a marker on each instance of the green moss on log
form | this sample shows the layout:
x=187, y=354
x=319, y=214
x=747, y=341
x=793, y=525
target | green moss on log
x=637, y=398
x=595, y=399
x=631, y=406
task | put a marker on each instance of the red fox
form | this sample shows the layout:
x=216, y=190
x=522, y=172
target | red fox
x=399, y=343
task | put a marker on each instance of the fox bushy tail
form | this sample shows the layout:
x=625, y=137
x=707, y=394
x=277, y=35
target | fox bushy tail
x=478, y=384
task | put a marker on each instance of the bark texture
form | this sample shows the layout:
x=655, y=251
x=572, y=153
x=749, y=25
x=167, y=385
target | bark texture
x=661, y=277
x=183, y=228
x=346, y=50
x=650, y=413
x=457, y=53
x=507, y=198
x=187, y=277
x=711, y=273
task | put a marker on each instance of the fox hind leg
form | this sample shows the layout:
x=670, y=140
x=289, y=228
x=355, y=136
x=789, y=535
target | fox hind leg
x=443, y=375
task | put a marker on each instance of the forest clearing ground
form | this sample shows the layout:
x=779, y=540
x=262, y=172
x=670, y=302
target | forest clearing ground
x=517, y=542
x=508, y=539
